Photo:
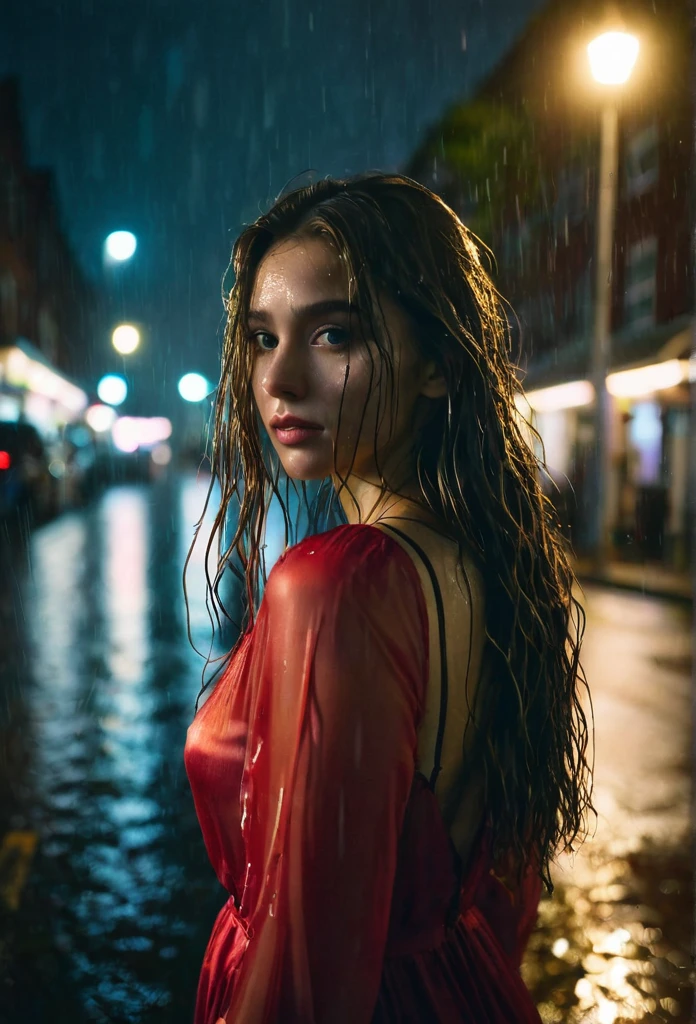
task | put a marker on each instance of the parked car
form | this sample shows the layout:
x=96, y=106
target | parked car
x=26, y=485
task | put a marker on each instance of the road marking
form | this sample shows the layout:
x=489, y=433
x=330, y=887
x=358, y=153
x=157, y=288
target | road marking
x=16, y=854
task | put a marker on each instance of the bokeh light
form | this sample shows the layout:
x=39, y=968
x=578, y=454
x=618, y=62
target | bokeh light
x=125, y=339
x=193, y=387
x=612, y=57
x=120, y=245
x=100, y=418
x=132, y=432
x=161, y=455
x=112, y=389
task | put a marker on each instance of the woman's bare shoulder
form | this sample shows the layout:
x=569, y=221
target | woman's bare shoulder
x=449, y=557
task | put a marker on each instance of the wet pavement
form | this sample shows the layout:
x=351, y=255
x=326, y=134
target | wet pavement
x=614, y=943
x=106, y=894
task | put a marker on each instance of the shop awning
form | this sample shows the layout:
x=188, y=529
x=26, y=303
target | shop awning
x=571, y=361
x=25, y=370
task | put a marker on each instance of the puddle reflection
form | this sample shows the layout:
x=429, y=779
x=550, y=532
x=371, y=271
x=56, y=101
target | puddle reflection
x=613, y=944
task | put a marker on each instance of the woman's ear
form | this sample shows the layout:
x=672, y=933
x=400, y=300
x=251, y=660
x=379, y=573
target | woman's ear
x=434, y=384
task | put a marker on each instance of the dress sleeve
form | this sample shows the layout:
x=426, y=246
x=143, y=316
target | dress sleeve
x=337, y=677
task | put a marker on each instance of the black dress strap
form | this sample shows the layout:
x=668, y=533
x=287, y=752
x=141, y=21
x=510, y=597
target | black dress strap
x=443, y=651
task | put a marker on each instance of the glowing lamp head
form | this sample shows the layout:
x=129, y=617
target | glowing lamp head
x=612, y=57
x=125, y=339
x=120, y=245
x=112, y=389
x=193, y=387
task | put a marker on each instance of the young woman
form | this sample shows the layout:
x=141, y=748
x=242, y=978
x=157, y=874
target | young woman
x=396, y=748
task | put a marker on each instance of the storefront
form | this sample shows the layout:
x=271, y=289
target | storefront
x=33, y=390
x=648, y=444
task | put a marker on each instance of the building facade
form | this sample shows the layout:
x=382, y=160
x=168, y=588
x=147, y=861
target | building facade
x=519, y=163
x=47, y=308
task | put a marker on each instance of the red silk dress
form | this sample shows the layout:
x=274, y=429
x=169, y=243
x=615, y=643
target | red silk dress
x=346, y=904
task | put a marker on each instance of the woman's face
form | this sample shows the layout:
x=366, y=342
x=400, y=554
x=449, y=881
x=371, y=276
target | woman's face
x=304, y=339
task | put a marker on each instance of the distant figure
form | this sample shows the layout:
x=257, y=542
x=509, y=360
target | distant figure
x=395, y=750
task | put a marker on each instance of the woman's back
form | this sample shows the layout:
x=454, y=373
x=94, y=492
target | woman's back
x=459, y=788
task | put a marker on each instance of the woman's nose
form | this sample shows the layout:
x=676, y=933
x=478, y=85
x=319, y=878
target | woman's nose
x=285, y=373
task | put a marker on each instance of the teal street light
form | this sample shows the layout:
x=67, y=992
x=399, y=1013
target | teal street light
x=193, y=387
x=120, y=246
x=112, y=389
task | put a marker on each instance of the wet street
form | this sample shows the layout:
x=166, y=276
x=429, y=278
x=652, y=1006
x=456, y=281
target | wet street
x=106, y=894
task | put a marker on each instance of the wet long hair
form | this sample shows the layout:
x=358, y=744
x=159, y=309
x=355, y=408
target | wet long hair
x=478, y=474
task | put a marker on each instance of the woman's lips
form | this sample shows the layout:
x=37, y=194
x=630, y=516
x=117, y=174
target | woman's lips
x=296, y=435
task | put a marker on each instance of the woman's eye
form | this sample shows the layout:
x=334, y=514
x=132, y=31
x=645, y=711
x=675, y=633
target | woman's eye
x=335, y=336
x=264, y=341
x=331, y=337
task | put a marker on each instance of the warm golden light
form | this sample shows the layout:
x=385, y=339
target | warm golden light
x=125, y=339
x=564, y=396
x=645, y=380
x=28, y=373
x=612, y=57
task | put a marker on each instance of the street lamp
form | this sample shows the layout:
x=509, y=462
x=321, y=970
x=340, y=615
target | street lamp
x=193, y=387
x=120, y=246
x=125, y=339
x=612, y=57
x=112, y=389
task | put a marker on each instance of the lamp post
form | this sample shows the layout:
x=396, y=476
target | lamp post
x=612, y=56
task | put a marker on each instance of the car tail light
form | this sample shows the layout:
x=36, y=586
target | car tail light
x=5, y=460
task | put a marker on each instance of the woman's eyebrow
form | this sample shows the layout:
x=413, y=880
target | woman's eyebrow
x=323, y=308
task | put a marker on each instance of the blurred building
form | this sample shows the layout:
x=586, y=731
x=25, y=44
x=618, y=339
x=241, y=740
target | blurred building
x=47, y=308
x=519, y=163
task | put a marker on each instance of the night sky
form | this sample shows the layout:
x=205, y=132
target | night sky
x=181, y=121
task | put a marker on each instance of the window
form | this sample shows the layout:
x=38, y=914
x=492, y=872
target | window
x=646, y=437
x=641, y=273
x=642, y=160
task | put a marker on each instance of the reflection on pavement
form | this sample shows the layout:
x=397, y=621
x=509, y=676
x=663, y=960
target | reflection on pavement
x=613, y=943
